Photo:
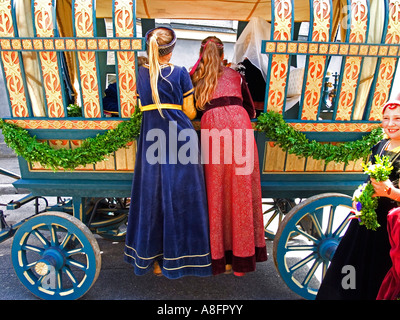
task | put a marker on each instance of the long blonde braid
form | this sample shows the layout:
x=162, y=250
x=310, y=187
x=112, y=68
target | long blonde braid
x=154, y=70
x=156, y=38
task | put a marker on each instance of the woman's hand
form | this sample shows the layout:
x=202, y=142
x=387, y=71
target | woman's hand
x=382, y=188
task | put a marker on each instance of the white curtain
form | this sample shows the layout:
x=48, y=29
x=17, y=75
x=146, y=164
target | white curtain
x=249, y=44
x=30, y=59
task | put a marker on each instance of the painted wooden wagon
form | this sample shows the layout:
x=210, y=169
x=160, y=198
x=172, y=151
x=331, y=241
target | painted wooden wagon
x=53, y=55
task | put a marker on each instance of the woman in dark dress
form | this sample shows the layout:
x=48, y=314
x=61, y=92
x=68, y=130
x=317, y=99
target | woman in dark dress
x=367, y=251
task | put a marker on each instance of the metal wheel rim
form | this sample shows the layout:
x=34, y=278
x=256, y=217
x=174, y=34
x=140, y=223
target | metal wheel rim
x=300, y=274
x=69, y=242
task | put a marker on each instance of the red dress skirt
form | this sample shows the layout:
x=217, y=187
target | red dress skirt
x=390, y=288
x=233, y=182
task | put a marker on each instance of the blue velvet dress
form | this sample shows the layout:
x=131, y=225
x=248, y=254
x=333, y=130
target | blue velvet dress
x=168, y=217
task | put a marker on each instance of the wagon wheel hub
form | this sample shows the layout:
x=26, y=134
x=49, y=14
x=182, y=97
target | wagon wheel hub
x=52, y=258
x=42, y=268
x=327, y=248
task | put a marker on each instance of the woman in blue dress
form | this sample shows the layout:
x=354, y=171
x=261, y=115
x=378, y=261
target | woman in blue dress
x=168, y=217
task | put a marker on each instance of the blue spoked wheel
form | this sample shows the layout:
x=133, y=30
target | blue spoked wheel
x=274, y=212
x=307, y=239
x=55, y=256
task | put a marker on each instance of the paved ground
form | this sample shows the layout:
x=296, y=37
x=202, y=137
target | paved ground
x=118, y=282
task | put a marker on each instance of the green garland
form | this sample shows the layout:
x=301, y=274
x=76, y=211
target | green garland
x=366, y=204
x=92, y=150
x=295, y=142
x=96, y=149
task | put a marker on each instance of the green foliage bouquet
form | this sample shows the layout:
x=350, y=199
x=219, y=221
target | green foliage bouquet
x=366, y=204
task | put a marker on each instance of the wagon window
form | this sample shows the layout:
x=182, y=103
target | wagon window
x=69, y=65
x=70, y=71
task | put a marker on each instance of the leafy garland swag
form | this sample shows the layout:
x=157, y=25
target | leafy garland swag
x=295, y=142
x=92, y=150
x=96, y=149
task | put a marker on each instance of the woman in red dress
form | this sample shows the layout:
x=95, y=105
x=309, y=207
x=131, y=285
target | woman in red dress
x=390, y=288
x=231, y=163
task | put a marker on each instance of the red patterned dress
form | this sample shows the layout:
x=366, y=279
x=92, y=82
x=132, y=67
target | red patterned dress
x=232, y=177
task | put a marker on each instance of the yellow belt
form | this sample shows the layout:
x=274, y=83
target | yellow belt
x=163, y=106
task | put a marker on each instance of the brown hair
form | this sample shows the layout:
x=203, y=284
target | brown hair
x=207, y=73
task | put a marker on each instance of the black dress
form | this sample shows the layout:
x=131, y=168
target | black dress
x=365, y=250
x=255, y=83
